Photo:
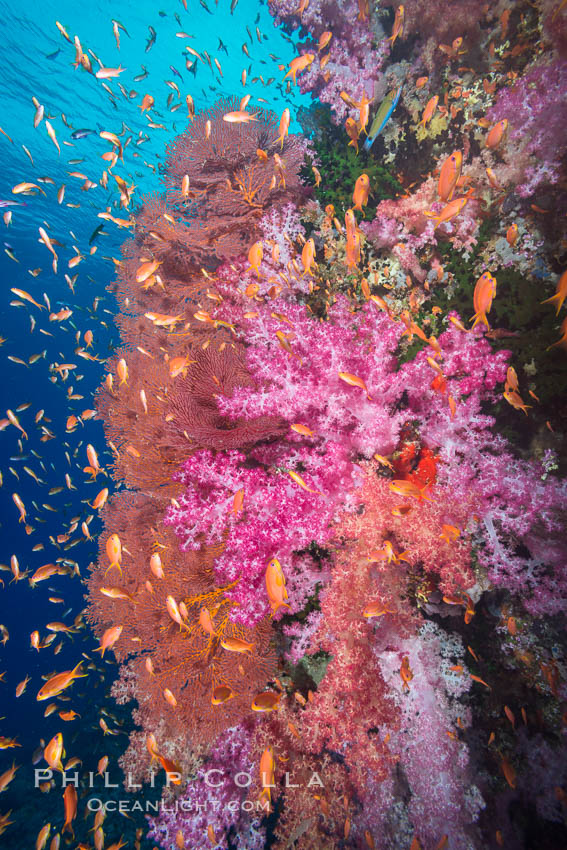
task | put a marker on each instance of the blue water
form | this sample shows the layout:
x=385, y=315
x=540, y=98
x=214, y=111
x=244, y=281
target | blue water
x=38, y=62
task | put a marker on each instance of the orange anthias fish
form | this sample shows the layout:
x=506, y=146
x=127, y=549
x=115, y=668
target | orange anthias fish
x=239, y=117
x=108, y=639
x=308, y=256
x=324, y=40
x=147, y=103
x=512, y=236
x=206, y=621
x=509, y=772
x=267, y=770
x=492, y=179
x=497, y=134
x=53, y=752
x=100, y=499
x=238, y=501
x=299, y=480
x=484, y=292
x=454, y=49
x=266, y=701
x=560, y=294
x=275, y=586
x=221, y=694
x=56, y=684
x=68, y=715
x=21, y=293
x=255, y=255
x=450, y=533
x=361, y=192
x=285, y=344
x=109, y=73
x=363, y=10
x=429, y=110
x=300, y=63
x=398, y=28
x=232, y=644
x=354, y=381
x=174, y=612
x=70, y=806
x=46, y=571
x=450, y=211
x=42, y=837
x=283, y=129
x=146, y=270
x=515, y=400
x=512, y=380
x=350, y=226
x=114, y=553
x=449, y=175
x=408, y=489
x=406, y=673
x=376, y=609
x=388, y=553
x=363, y=107
x=302, y=429
x=352, y=132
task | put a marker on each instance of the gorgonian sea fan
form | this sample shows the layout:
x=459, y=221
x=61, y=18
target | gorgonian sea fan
x=186, y=660
x=230, y=185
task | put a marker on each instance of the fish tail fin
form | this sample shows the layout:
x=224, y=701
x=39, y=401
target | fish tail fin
x=434, y=217
x=79, y=675
x=562, y=342
x=277, y=607
x=558, y=299
x=479, y=317
x=368, y=142
x=113, y=564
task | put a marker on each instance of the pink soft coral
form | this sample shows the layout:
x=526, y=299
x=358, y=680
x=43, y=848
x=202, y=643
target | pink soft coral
x=278, y=516
x=306, y=387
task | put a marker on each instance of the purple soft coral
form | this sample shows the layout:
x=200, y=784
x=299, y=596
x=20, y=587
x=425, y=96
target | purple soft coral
x=536, y=109
x=215, y=802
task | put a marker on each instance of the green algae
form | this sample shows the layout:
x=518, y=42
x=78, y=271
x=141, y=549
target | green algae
x=340, y=166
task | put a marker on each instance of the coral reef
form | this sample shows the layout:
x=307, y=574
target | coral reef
x=331, y=507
